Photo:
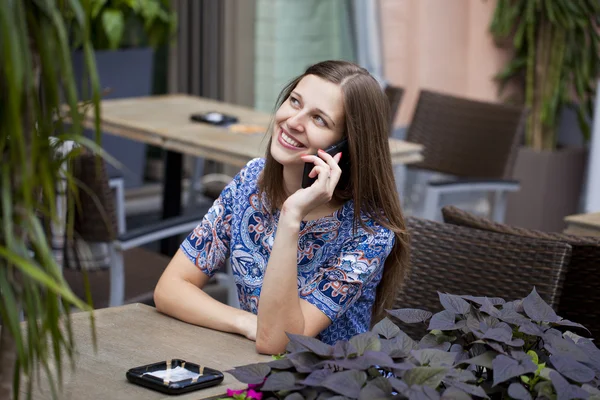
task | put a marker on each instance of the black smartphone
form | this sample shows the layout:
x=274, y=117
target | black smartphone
x=214, y=118
x=174, y=376
x=341, y=146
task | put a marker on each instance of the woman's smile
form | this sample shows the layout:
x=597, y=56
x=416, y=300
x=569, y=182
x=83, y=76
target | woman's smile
x=289, y=142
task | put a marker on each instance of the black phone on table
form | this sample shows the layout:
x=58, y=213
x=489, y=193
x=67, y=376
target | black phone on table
x=214, y=118
x=341, y=146
x=174, y=376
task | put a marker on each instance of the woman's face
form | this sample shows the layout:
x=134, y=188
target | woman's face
x=311, y=118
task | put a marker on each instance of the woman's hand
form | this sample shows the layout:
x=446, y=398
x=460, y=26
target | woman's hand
x=328, y=174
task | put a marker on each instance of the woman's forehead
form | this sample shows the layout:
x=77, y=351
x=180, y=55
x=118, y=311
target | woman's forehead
x=319, y=93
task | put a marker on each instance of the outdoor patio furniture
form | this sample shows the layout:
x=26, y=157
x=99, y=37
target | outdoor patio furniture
x=580, y=298
x=118, y=268
x=463, y=261
x=469, y=146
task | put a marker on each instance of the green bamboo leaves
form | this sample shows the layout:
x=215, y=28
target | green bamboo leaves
x=555, y=61
x=36, y=77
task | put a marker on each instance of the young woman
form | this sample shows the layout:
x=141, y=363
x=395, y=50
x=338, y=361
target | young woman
x=322, y=261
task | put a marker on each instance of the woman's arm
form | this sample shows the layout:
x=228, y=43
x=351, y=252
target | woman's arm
x=280, y=308
x=179, y=294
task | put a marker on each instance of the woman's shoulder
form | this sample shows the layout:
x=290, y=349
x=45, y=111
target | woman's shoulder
x=251, y=171
x=371, y=229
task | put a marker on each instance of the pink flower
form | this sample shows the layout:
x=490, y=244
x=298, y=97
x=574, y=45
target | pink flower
x=232, y=393
x=254, y=395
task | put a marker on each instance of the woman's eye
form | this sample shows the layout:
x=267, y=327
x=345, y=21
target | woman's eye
x=320, y=121
x=294, y=102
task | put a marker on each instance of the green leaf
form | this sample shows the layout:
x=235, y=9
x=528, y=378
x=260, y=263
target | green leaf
x=36, y=273
x=427, y=376
x=97, y=7
x=113, y=22
x=365, y=341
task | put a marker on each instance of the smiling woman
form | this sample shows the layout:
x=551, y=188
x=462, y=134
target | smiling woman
x=324, y=260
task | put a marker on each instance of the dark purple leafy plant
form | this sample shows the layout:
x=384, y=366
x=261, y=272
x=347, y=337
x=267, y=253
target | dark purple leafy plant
x=478, y=347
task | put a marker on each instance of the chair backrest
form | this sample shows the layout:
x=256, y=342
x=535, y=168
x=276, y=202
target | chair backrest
x=95, y=222
x=394, y=95
x=465, y=137
x=451, y=259
x=580, y=299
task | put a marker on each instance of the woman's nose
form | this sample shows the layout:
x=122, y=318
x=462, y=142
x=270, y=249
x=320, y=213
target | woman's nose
x=296, y=122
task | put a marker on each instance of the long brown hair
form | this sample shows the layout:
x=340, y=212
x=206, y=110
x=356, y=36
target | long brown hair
x=371, y=183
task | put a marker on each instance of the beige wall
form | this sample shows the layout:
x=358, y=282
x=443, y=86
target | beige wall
x=441, y=45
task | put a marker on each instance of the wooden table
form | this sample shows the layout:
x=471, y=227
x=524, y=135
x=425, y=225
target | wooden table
x=164, y=121
x=135, y=335
x=583, y=224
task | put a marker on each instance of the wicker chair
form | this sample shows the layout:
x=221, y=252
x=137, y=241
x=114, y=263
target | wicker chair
x=118, y=269
x=472, y=143
x=463, y=261
x=580, y=299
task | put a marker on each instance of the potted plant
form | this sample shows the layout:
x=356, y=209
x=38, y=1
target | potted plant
x=125, y=35
x=553, y=71
x=35, y=78
x=477, y=347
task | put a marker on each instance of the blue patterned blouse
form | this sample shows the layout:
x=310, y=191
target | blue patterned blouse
x=338, y=270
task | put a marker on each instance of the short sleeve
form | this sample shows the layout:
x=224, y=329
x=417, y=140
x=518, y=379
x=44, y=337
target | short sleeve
x=343, y=279
x=207, y=246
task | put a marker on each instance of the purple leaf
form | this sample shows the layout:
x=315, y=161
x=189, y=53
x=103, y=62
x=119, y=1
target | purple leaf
x=453, y=393
x=251, y=373
x=488, y=308
x=516, y=305
x=471, y=389
x=444, y=321
x=304, y=361
x=559, y=346
x=434, y=358
x=365, y=341
x=282, y=363
x=453, y=303
x=346, y=383
x=281, y=381
x=530, y=328
x=378, y=388
x=513, y=317
x=518, y=391
x=386, y=328
x=566, y=322
x=426, y=376
x=398, y=385
x=343, y=349
x=315, y=378
x=410, y=315
x=564, y=390
x=498, y=347
x=480, y=300
x=418, y=392
x=312, y=344
x=537, y=309
x=506, y=368
x=572, y=369
x=363, y=362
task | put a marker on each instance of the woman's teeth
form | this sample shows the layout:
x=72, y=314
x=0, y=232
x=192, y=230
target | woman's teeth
x=290, y=141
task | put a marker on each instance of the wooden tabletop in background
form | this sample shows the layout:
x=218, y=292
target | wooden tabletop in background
x=136, y=334
x=583, y=224
x=164, y=121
